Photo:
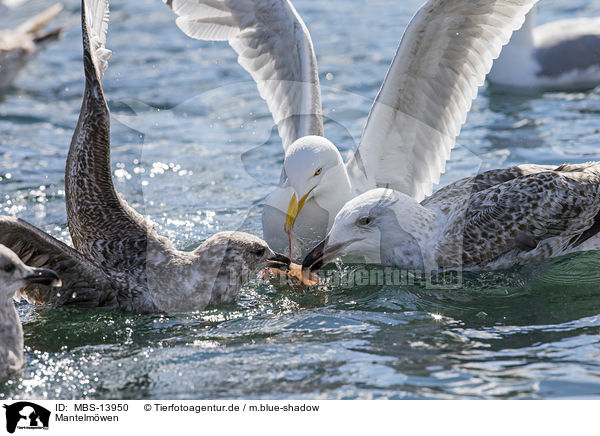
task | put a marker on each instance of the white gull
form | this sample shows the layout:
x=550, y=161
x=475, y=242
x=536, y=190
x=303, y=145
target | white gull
x=445, y=53
x=562, y=55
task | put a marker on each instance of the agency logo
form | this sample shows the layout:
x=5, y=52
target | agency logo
x=26, y=415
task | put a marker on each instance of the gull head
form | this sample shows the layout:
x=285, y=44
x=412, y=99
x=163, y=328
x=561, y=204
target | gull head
x=314, y=167
x=241, y=252
x=380, y=226
x=14, y=274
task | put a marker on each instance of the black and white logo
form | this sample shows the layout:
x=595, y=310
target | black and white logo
x=26, y=415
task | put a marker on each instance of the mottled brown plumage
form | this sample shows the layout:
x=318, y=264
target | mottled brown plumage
x=521, y=214
x=494, y=220
x=118, y=260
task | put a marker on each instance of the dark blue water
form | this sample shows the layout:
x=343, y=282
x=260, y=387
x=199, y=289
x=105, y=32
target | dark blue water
x=195, y=150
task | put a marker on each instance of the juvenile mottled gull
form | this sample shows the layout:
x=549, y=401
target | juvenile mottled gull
x=560, y=55
x=119, y=261
x=19, y=45
x=445, y=53
x=14, y=275
x=494, y=220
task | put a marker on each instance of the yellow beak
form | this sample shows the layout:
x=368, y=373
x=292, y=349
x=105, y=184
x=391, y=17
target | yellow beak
x=294, y=209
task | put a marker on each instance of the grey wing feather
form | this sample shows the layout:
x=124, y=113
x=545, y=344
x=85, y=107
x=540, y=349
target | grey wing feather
x=84, y=284
x=274, y=46
x=444, y=56
x=94, y=209
x=521, y=213
x=471, y=185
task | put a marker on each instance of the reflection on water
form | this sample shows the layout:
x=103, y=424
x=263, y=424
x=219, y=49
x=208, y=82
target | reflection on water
x=194, y=149
x=365, y=342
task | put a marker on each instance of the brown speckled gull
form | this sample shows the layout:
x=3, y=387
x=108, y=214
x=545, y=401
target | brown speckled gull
x=118, y=260
x=495, y=220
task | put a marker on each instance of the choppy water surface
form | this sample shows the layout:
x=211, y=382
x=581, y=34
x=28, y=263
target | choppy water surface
x=194, y=149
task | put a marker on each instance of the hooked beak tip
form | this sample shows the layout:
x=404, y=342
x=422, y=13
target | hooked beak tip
x=315, y=259
x=323, y=253
x=279, y=261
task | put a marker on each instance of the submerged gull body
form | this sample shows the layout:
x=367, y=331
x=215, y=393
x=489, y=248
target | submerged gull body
x=494, y=220
x=19, y=45
x=119, y=261
x=560, y=55
x=14, y=274
x=444, y=56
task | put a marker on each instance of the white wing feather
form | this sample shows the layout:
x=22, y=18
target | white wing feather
x=444, y=56
x=96, y=20
x=274, y=46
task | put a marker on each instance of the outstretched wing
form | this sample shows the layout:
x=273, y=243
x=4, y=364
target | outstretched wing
x=83, y=282
x=444, y=56
x=95, y=14
x=274, y=46
x=94, y=209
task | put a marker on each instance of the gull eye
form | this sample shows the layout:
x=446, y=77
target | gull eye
x=9, y=267
x=260, y=251
x=364, y=221
x=318, y=172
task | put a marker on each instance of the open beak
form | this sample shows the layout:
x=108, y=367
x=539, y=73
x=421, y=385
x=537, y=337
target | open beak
x=279, y=261
x=294, y=209
x=43, y=276
x=315, y=259
x=322, y=254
